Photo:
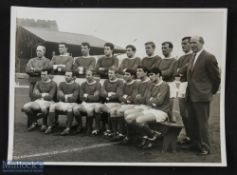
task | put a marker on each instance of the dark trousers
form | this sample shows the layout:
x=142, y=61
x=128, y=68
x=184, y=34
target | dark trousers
x=31, y=88
x=198, y=113
x=184, y=114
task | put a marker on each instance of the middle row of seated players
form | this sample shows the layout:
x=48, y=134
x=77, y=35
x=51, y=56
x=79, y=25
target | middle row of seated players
x=129, y=104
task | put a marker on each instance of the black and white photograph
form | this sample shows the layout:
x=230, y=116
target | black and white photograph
x=118, y=87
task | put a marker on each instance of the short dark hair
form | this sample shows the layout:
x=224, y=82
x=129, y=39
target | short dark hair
x=131, y=71
x=113, y=68
x=156, y=70
x=176, y=74
x=63, y=43
x=151, y=43
x=143, y=68
x=44, y=70
x=73, y=73
x=169, y=43
x=86, y=44
x=132, y=47
x=111, y=45
x=91, y=70
x=186, y=38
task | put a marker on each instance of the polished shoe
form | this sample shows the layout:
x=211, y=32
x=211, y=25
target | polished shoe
x=156, y=136
x=95, y=132
x=33, y=126
x=143, y=142
x=48, y=130
x=108, y=134
x=65, y=132
x=148, y=145
x=203, y=153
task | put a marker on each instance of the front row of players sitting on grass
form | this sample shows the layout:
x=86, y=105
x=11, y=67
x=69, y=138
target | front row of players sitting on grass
x=118, y=107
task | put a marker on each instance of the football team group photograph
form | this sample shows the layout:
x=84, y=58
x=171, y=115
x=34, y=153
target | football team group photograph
x=96, y=96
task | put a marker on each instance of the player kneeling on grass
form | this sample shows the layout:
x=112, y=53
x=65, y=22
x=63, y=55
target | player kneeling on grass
x=44, y=92
x=130, y=114
x=111, y=91
x=127, y=101
x=158, y=101
x=67, y=96
x=89, y=95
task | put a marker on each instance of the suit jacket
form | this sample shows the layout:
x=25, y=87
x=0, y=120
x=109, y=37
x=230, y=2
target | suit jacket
x=203, y=78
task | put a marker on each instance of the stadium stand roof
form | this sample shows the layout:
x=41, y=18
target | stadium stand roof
x=69, y=38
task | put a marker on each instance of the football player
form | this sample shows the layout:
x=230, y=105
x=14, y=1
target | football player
x=151, y=60
x=158, y=100
x=84, y=62
x=131, y=62
x=107, y=61
x=127, y=101
x=90, y=96
x=67, y=95
x=144, y=86
x=110, y=94
x=44, y=93
x=168, y=63
x=63, y=62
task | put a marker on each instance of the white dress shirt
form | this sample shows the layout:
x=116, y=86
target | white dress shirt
x=196, y=56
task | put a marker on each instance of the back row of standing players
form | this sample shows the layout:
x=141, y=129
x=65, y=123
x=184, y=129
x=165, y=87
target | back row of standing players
x=134, y=103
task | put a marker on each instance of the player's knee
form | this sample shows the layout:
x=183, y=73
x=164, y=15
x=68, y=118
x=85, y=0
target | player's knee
x=44, y=110
x=98, y=109
x=120, y=113
x=140, y=121
x=113, y=114
x=34, y=106
x=52, y=108
x=69, y=110
x=126, y=113
x=129, y=118
x=90, y=113
x=25, y=108
x=76, y=110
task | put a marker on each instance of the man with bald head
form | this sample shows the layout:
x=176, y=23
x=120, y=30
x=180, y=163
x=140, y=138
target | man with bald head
x=203, y=81
x=35, y=66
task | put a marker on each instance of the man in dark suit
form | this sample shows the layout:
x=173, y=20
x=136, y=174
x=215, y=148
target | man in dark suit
x=203, y=81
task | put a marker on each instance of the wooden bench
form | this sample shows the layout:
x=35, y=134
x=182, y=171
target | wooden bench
x=170, y=132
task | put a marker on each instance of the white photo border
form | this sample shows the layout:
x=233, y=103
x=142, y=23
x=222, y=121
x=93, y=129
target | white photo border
x=223, y=162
